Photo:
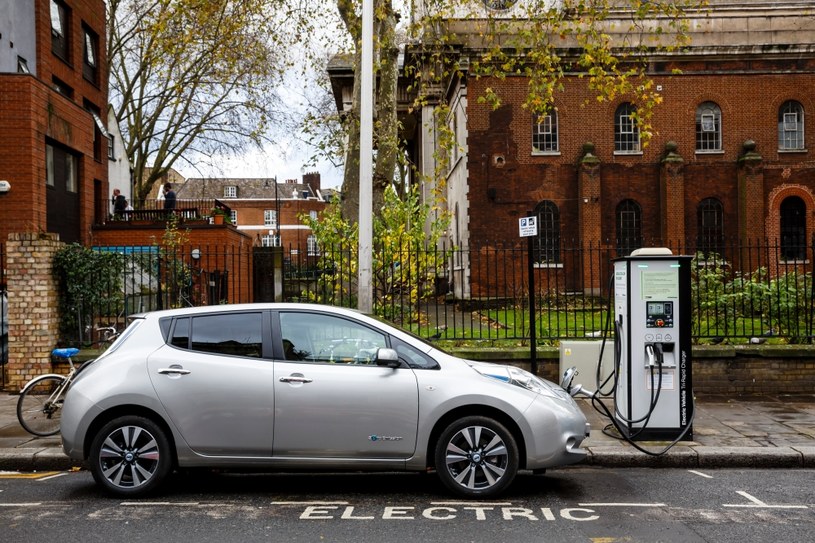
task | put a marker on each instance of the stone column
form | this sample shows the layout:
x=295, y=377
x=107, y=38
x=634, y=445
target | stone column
x=590, y=224
x=33, y=305
x=751, y=202
x=672, y=197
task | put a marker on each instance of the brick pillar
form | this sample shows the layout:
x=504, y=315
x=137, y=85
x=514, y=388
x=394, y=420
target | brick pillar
x=33, y=305
x=751, y=200
x=589, y=217
x=672, y=197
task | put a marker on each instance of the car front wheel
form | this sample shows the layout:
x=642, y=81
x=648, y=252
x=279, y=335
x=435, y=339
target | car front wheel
x=130, y=456
x=476, y=457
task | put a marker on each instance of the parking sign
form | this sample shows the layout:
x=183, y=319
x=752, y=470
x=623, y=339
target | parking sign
x=528, y=226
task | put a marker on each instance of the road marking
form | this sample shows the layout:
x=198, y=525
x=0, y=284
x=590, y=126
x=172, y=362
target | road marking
x=49, y=477
x=21, y=504
x=756, y=503
x=700, y=474
x=621, y=504
x=488, y=504
x=311, y=503
x=161, y=504
x=21, y=475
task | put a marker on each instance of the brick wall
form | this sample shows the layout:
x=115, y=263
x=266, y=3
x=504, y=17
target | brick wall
x=33, y=306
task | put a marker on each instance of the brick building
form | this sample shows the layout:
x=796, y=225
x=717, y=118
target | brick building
x=729, y=161
x=53, y=102
x=267, y=211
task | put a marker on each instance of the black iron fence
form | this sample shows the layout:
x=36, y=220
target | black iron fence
x=739, y=292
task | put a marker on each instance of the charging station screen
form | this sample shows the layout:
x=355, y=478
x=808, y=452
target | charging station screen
x=659, y=284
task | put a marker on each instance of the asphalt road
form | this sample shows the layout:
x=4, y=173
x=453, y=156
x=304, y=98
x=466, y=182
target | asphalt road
x=580, y=504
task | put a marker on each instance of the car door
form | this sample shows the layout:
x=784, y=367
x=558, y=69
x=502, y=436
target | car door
x=332, y=400
x=216, y=385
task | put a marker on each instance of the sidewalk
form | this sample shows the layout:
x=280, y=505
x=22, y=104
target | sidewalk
x=745, y=432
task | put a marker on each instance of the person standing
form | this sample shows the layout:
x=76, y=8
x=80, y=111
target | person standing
x=119, y=203
x=169, y=196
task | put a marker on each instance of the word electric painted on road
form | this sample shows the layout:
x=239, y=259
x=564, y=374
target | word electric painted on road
x=341, y=510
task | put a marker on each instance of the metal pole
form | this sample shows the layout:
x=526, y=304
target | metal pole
x=533, y=336
x=365, y=220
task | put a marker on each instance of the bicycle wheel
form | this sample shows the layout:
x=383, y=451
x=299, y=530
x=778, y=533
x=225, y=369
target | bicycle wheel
x=37, y=410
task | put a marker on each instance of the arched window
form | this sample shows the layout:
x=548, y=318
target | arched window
x=793, y=228
x=791, y=126
x=629, y=227
x=544, y=133
x=708, y=127
x=547, y=245
x=626, y=131
x=710, y=228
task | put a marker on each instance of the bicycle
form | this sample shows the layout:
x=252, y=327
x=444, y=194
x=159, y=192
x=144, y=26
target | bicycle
x=39, y=406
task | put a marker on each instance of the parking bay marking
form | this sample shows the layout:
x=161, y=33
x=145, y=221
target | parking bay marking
x=758, y=504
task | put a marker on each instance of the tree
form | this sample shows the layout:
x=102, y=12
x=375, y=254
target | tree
x=386, y=127
x=195, y=78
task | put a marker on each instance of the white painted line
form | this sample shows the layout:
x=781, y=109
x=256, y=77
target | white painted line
x=22, y=504
x=310, y=503
x=700, y=474
x=161, y=504
x=756, y=503
x=52, y=477
x=488, y=504
x=621, y=504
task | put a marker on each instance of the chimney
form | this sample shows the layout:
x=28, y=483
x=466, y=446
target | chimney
x=313, y=181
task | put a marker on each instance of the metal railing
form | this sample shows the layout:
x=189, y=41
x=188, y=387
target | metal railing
x=739, y=293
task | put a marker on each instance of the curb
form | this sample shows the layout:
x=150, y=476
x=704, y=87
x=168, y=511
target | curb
x=680, y=456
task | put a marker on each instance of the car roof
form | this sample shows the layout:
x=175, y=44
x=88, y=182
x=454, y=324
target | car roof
x=249, y=307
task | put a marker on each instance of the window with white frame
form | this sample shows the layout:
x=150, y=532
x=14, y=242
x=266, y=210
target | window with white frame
x=791, y=126
x=312, y=215
x=544, y=133
x=231, y=191
x=311, y=245
x=708, y=128
x=270, y=218
x=234, y=217
x=626, y=131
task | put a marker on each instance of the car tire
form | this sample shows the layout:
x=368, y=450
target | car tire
x=130, y=456
x=476, y=457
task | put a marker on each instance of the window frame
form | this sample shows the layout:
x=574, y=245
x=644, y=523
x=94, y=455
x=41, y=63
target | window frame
x=710, y=238
x=60, y=15
x=628, y=216
x=545, y=141
x=231, y=191
x=90, y=55
x=270, y=218
x=546, y=244
x=709, y=128
x=627, y=137
x=791, y=140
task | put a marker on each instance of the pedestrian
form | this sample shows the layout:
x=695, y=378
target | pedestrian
x=169, y=196
x=119, y=203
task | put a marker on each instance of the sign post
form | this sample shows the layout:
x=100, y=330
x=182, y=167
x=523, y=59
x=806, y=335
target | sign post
x=528, y=228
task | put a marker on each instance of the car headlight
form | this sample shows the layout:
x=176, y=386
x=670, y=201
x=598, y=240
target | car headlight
x=522, y=378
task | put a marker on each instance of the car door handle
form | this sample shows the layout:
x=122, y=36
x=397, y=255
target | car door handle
x=295, y=379
x=173, y=371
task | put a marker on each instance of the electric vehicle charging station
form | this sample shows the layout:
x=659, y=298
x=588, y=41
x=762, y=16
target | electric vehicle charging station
x=653, y=396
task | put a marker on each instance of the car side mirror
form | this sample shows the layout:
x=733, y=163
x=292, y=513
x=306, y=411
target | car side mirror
x=387, y=357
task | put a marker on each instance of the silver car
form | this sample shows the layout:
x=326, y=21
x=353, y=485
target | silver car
x=297, y=386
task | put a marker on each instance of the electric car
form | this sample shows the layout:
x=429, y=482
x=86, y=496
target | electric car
x=307, y=387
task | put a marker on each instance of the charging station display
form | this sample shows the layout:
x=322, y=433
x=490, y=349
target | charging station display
x=653, y=394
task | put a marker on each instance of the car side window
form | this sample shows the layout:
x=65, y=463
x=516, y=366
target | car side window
x=415, y=358
x=312, y=337
x=181, y=334
x=231, y=334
